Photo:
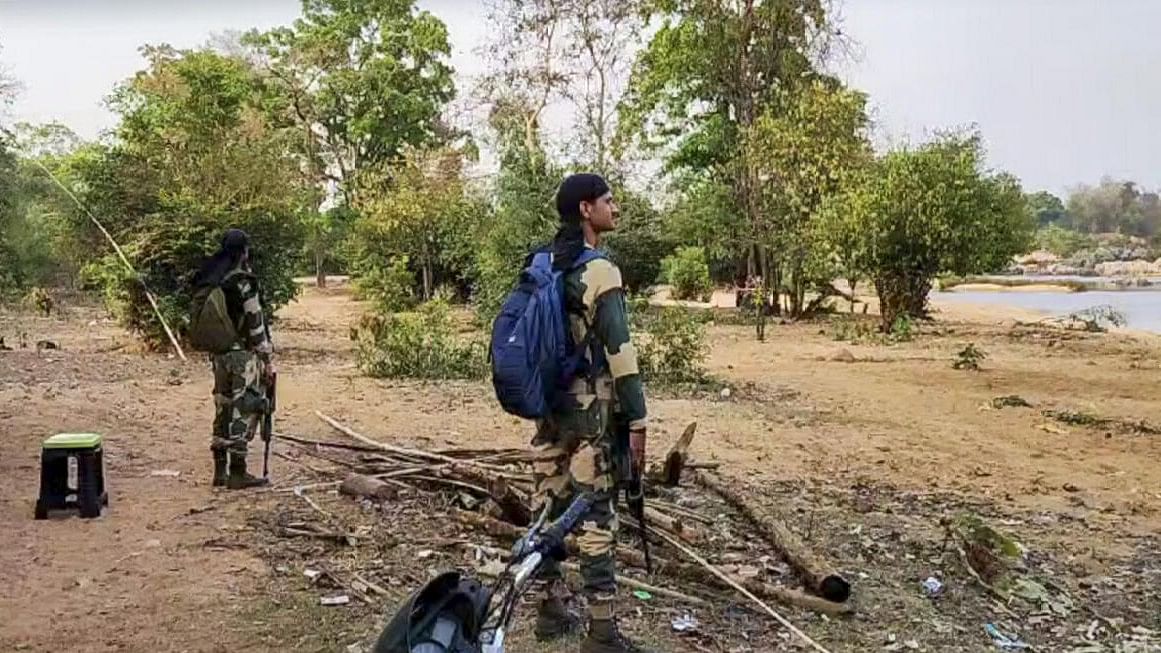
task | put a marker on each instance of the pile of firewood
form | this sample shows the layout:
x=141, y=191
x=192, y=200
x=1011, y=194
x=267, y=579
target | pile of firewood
x=497, y=486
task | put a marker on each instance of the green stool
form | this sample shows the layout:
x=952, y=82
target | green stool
x=57, y=491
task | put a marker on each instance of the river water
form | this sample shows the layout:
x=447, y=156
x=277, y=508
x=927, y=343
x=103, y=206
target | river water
x=1142, y=308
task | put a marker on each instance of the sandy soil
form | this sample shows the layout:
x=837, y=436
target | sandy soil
x=885, y=437
x=995, y=287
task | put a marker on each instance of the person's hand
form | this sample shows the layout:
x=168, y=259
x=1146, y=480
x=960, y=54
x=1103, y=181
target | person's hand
x=270, y=370
x=637, y=440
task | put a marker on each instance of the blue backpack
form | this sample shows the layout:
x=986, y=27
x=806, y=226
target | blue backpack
x=532, y=354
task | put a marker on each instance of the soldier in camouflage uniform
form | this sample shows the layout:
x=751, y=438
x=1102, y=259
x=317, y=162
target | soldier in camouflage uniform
x=240, y=375
x=573, y=447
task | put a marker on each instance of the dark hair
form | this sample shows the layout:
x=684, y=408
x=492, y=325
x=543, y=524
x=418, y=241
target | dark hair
x=235, y=243
x=569, y=241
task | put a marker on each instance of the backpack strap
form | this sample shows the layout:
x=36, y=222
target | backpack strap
x=590, y=342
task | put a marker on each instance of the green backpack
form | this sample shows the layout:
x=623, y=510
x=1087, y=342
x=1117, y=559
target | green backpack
x=210, y=327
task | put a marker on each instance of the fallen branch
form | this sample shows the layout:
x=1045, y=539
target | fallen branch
x=675, y=509
x=299, y=492
x=677, y=455
x=324, y=443
x=815, y=574
x=414, y=453
x=1003, y=598
x=680, y=528
x=374, y=587
x=743, y=591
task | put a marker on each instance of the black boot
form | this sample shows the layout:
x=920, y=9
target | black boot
x=219, y=467
x=554, y=620
x=605, y=637
x=239, y=478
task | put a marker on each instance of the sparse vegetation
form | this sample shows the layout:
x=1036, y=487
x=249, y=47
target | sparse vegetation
x=969, y=358
x=417, y=345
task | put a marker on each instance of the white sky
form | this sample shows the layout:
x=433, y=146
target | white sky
x=1064, y=91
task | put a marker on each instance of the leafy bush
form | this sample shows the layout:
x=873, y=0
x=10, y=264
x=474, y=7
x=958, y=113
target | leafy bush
x=390, y=288
x=686, y=270
x=969, y=358
x=417, y=345
x=902, y=329
x=673, y=349
x=852, y=328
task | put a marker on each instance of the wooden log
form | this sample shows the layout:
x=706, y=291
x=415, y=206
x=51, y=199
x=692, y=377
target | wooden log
x=685, y=531
x=359, y=486
x=815, y=574
x=511, y=502
x=676, y=457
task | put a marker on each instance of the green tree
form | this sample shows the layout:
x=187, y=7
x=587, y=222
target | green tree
x=325, y=232
x=929, y=210
x=360, y=82
x=425, y=216
x=637, y=246
x=193, y=156
x=708, y=73
x=804, y=152
x=1046, y=208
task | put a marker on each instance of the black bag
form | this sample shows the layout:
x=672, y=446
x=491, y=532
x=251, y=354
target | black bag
x=444, y=616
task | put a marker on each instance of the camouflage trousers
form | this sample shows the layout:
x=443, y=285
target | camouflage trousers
x=572, y=454
x=239, y=400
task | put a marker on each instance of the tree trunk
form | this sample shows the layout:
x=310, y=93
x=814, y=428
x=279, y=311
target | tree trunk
x=852, y=283
x=320, y=274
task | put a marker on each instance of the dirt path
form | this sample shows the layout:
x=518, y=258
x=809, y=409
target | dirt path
x=173, y=565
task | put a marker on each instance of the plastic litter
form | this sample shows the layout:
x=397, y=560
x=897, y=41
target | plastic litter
x=1007, y=642
x=932, y=586
x=684, y=624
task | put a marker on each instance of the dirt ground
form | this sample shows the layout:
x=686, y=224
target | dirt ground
x=860, y=446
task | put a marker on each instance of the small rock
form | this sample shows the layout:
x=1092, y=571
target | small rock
x=843, y=356
x=911, y=644
x=725, y=393
x=1069, y=487
x=152, y=544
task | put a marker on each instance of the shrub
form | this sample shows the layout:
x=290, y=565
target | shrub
x=969, y=358
x=390, y=288
x=687, y=271
x=673, y=349
x=417, y=345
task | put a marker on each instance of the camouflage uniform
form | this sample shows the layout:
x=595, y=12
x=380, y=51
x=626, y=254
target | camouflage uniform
x=573, y=447
x=239, y=390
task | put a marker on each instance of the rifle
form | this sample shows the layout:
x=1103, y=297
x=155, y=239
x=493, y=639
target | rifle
x=629, y=477
x=268, y=424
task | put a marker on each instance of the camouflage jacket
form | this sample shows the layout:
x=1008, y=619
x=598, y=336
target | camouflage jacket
x=245, y=308
x=595, y=297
